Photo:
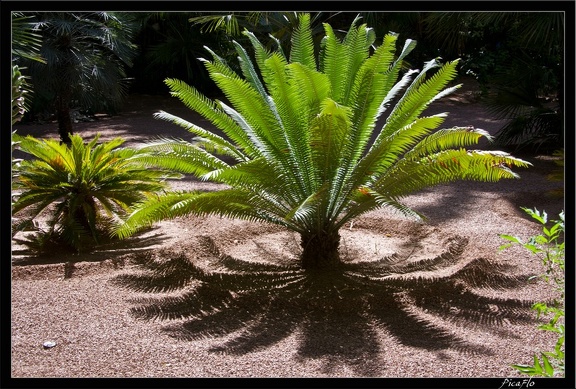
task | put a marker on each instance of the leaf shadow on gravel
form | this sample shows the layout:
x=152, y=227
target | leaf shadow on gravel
x=60, y=254
x=337, y=318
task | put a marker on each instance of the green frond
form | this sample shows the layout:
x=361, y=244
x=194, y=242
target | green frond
x=357, y=43
x=394, y=90
x=232, y=203
x=368, y=92
x=302, y=50
x=261, y=179
x=49, y=151
x=154, y=209
x=36, y=201
x=178, y=155
x=284, y=91
x=218, y=65
x=248, y=69
x=260, y=146
x=260, y=52
x=257, y=173
x=105, y=147
x=391, y=85
x=420, y=94
x=328, y=133
x=410, y=175
x=312, y=88
x=447, y=138
x=384, y=155
x=219, y=143
x=253, y=108
x=404, y=139
x=334, y=63
x=210, y=110
x=308, y=90
x=251, y=75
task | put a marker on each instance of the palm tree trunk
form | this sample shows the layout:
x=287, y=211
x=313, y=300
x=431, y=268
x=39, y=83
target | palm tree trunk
x=64, y=118
x=320, y=250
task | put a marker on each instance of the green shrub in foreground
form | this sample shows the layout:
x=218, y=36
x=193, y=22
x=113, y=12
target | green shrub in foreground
x=549, y=246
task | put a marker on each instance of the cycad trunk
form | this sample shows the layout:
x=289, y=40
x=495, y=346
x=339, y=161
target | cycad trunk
x=320, y=250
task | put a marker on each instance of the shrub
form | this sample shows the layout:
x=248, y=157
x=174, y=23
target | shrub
x=82, y=188
x=549, y=246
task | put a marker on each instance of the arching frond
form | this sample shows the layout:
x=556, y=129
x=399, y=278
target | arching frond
x=254, y=110
x=410, y=175
x=334, y=63
x=302, y=44
x=210, y=110
x=219, y=144
x=448, y=138
x=419, y=95
x=260, y=52
x=179, y=156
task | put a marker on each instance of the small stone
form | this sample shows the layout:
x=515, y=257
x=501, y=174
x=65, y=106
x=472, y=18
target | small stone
x=49, y=344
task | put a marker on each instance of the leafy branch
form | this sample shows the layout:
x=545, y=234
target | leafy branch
x=549, y=246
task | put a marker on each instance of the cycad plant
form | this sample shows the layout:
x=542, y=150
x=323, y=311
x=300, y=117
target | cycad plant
x=80, y=189
x=303, y=134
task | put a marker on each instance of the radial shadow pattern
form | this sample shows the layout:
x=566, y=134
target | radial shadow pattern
x=338, y=317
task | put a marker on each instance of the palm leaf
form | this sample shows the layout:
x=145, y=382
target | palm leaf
x=334, y=63
x=254, y=111
x=180, y=156
x=419, y=95
x=209, y=109
x=410, y=175
x=218, y=144
x=302, y=44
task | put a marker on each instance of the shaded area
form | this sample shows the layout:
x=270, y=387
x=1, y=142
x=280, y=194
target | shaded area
x=25, y=256
x=338, y=317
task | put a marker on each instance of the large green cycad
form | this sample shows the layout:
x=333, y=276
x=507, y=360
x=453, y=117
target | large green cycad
x=307, y=152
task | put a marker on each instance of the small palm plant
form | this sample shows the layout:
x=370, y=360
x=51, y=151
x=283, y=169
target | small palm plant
x=85, y=55
x=308, y=152
x=82, y=188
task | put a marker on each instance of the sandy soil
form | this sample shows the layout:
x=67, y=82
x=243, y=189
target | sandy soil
x=449, y=304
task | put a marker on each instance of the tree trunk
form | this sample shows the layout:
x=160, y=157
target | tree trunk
x=64, y=119
x=320, y=251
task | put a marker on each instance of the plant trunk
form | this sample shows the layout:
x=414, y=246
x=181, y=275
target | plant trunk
x=64, y=119
x=320, y=251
